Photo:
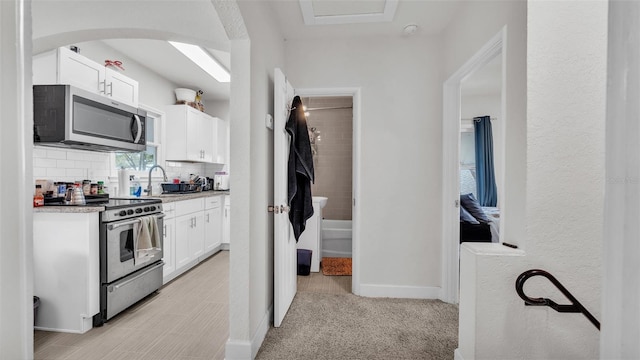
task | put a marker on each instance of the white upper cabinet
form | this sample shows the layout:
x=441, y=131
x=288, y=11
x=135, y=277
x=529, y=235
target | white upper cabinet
x=192, y=135
x=120, y=87
x=63, y=66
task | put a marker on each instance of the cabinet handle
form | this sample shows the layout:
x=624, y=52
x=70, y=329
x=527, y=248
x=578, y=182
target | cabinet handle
x=195, y=222
x=110, y=88
x=104, y=86
x=208, y=218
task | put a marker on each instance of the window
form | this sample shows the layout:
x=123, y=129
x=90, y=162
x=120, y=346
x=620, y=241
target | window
x=140, y=163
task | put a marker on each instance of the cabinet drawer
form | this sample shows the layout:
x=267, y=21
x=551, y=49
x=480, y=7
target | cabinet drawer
x=212, y=202
x=189, y=206
x=169, y=209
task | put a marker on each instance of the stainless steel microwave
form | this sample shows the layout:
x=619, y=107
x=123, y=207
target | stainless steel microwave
x=66, y=116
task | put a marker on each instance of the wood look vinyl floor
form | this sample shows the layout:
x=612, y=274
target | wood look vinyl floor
x=187, y=319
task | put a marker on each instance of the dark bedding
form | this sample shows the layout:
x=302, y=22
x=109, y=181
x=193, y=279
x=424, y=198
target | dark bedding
x=474, y=232
x=474, y=223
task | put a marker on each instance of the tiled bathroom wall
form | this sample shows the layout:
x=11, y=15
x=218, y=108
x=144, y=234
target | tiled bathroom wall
x=332, y=118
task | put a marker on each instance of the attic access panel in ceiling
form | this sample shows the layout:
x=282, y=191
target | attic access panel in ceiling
x=331, y=12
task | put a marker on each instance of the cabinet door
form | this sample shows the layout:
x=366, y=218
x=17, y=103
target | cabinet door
x=213, y=229
x=208, y=138
x=195, y=130
x=226, y=225
x=169, y=258
x=184, y=226
x=196, y=235
x=121, y=87
x=75, y=69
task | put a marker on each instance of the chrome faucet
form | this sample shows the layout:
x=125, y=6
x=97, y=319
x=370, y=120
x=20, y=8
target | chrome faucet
x=164, y=174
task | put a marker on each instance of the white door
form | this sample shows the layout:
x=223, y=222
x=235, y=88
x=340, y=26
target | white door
x=285, y=263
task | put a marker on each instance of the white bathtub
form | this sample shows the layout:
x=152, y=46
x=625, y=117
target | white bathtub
x=336, y=238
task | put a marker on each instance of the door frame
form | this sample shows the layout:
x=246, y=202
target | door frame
x=356, y=171
x=451, y=160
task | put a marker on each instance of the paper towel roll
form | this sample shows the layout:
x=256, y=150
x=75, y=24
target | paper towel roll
x=123, y=182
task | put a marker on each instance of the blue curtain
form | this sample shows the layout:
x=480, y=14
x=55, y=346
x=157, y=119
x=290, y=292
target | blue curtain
x=485, y=175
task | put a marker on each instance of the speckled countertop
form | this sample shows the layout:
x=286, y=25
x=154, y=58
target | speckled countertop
x=68, y=209
x=166, y=198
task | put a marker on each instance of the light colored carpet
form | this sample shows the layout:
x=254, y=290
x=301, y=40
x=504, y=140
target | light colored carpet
x=330, y=326
x=333, y=266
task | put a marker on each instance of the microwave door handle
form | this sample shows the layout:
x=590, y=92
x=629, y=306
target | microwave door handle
x=139, y=132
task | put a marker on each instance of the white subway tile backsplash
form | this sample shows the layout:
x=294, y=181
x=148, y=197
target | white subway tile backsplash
x=54, y=173
x=39, y=152
x=65, y=164
x=57, y=154
x=81, y=164
x=39, y=173
x=78, y=174
x=74, y=155
x=99, y=165
x=44, y=163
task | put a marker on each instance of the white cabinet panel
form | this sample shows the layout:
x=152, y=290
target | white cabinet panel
x=226, y=220
x=184, y=224
x=75, y=69
x=121, y=87
x=196, y=235
x=66, y=270
x=169, y=243
x=213, y=229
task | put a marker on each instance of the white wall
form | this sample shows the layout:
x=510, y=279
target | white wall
x=620, y=305
x=566, y=46
x=16, y=136
x=251, y=270
x=400, y=81
x=267, y=53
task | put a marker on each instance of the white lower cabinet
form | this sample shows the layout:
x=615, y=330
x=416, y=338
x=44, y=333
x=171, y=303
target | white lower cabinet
x=213, y=224
x=192, y=232
x=226, y=222
x=169, y=241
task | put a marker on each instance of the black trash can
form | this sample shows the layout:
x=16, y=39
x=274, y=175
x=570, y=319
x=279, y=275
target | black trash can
x=304, y=261
x=36, y=303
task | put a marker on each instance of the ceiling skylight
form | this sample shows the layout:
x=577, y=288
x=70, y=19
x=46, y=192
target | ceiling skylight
x=204, y=60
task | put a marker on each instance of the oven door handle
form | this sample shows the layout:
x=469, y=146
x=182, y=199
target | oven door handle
x=131, y=222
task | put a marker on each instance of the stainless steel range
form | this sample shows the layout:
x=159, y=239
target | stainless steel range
x=125, y=276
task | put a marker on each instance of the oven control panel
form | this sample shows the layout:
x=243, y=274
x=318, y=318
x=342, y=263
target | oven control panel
x=122, y=213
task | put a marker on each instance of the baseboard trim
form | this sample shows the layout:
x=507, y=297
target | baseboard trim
x=457, y=355
x=224, y=246
x=243, y=350
x=237, y=350
x=394, y=291
x=261, y=332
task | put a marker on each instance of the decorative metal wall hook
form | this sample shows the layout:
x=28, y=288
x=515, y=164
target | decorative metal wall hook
x=575, y=307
